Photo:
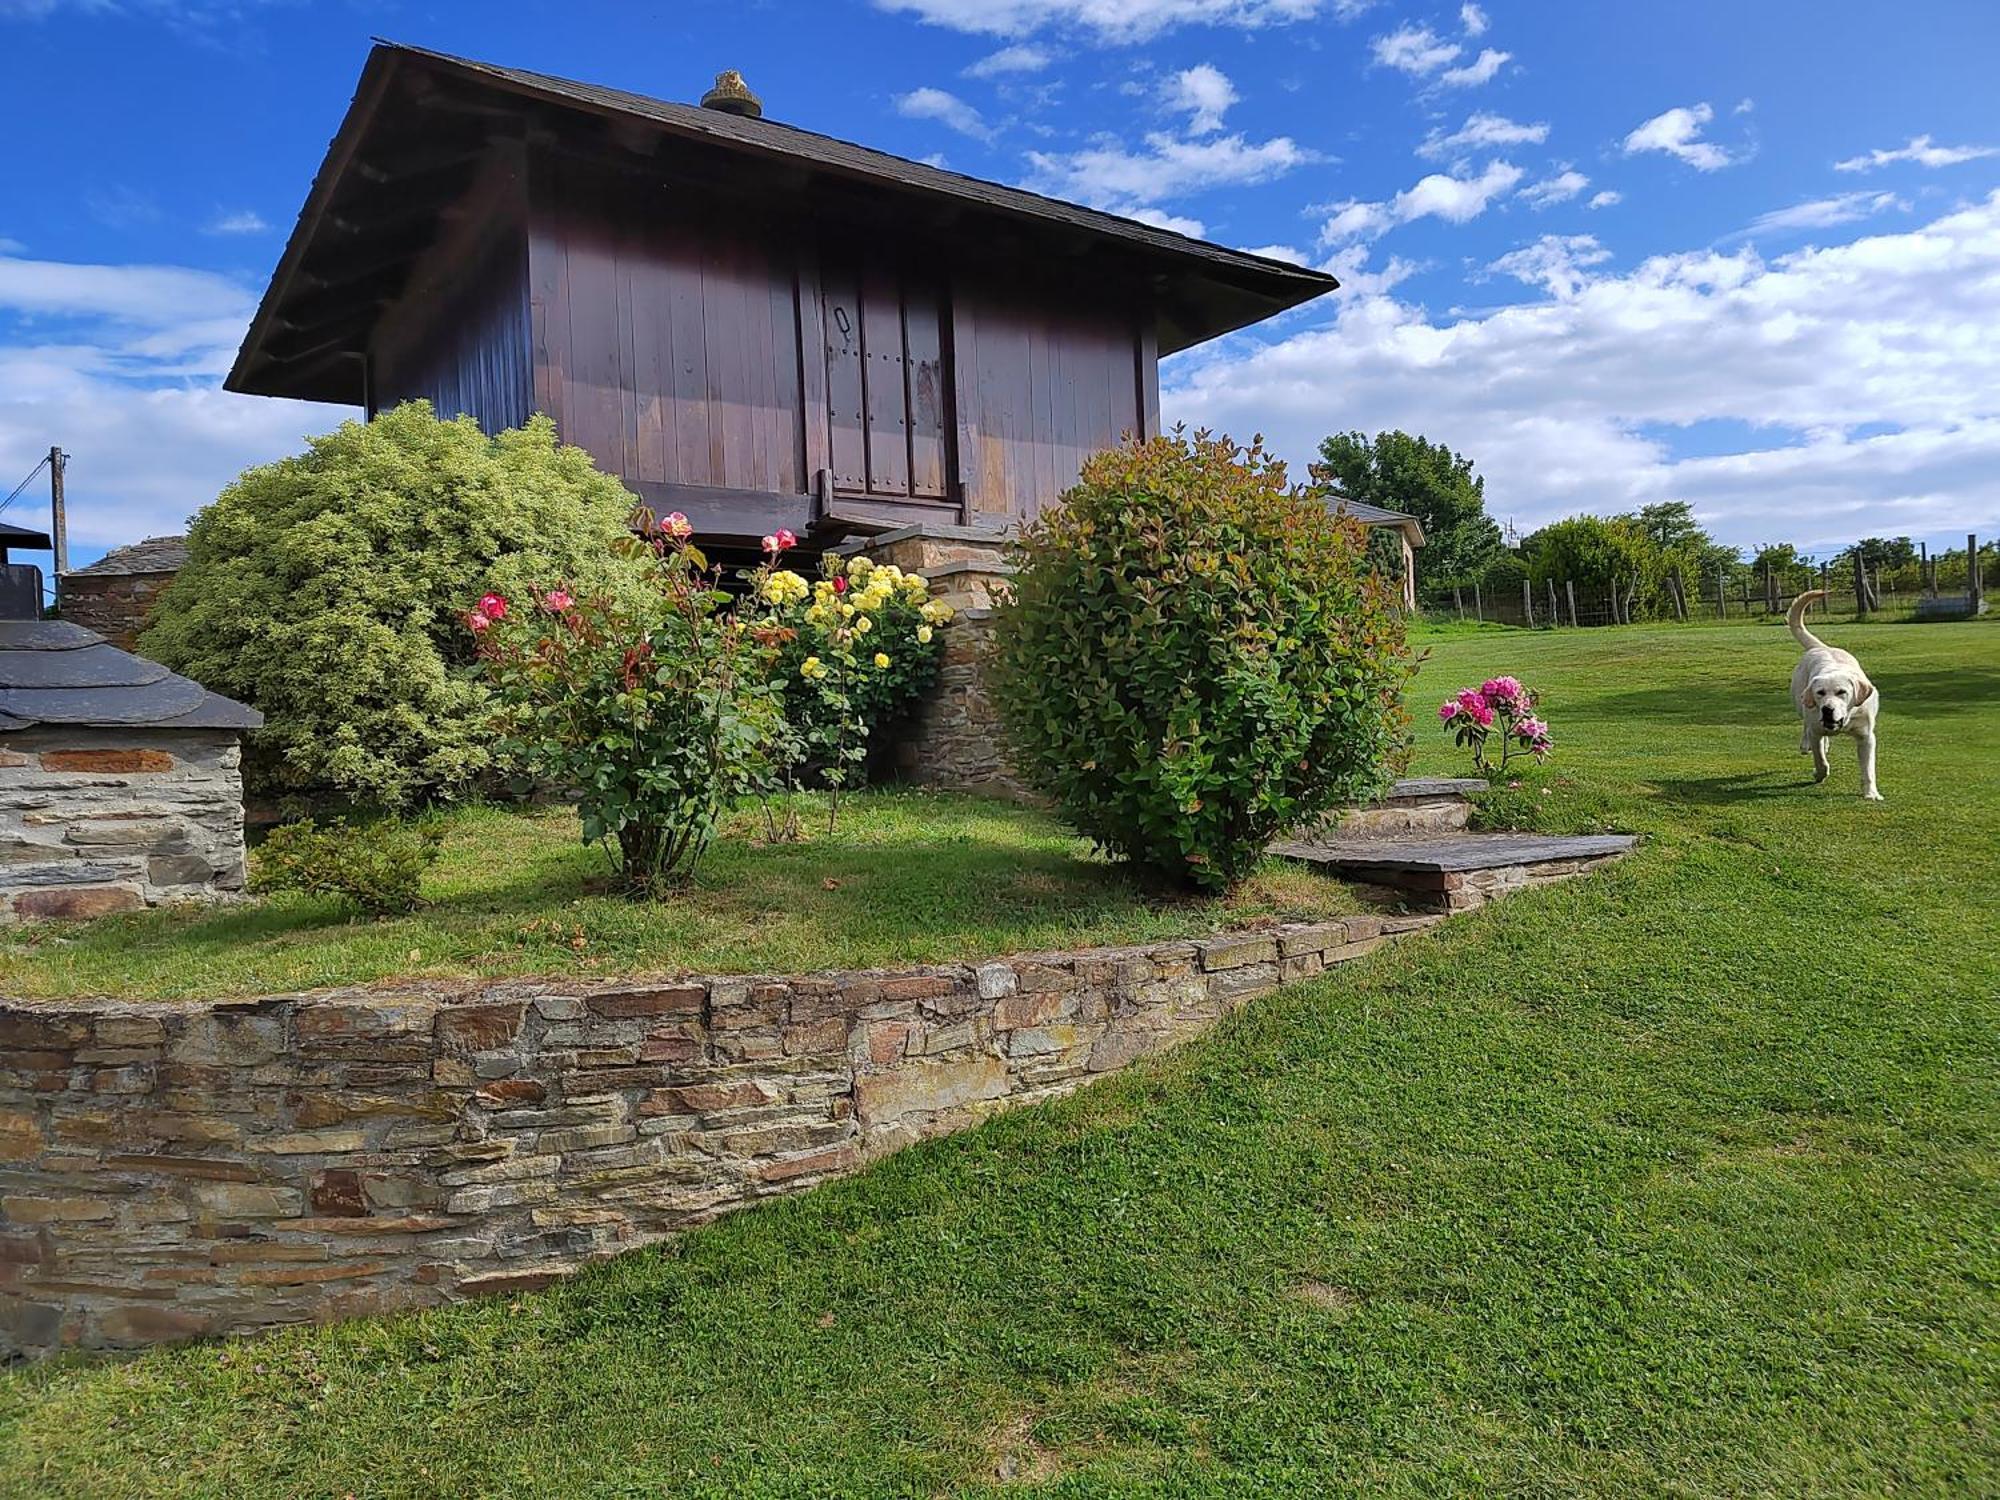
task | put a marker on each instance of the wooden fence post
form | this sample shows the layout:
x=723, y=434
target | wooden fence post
x=1860, y=585
x=1478, y=603
x=1721, y=598
x=1458, y=601
x=1975, y=585
x=1569, y=588
x=1528, y=603
x=1555, y=615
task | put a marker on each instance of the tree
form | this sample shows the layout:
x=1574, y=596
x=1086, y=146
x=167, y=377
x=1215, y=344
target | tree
x=326, y=589
x=1881, y=552
x=1422, y=479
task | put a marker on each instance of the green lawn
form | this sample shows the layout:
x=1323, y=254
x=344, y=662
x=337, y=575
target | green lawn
x=1679, y=1181
x=910, y=877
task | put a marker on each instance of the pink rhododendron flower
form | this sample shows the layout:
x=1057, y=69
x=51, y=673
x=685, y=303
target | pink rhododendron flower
x=677, y=526
x=493, y=606
x=558, y=600
x=1448, y=710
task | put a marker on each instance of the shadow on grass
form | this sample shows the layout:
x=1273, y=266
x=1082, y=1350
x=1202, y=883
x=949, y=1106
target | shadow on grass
x=1744, y=786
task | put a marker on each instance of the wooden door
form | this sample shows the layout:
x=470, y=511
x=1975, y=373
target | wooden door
x=888, y=398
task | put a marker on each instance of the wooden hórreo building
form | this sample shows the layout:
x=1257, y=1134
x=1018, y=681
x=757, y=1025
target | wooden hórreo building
x=744, y=321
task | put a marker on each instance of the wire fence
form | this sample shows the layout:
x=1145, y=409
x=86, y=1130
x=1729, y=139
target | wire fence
x=1933, y=589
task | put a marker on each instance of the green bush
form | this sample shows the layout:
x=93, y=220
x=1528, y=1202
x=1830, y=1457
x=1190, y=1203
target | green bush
x=326, y=589
x=379, y=866
x=1197, y=657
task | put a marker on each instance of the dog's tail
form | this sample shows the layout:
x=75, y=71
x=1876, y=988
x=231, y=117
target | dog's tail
x=1796, y=618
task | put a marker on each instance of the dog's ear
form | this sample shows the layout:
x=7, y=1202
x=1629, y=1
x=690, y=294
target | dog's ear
x=1863, y=691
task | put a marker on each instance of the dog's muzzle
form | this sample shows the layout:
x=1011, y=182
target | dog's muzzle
x=1827, y=719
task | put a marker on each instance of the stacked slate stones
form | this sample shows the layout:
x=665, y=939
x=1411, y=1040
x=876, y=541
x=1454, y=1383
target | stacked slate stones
x=120, y=782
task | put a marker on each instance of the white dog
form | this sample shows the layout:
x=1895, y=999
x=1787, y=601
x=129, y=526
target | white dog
x=1833, y=696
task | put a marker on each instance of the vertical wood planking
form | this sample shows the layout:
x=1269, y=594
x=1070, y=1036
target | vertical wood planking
x=812, y=368
x=846, y=419
x=923, y=342
x=646, y=284
x=965, y=401
x=1148, y=353
x=884, y=385
x=1042, y=360
x=690, y=350
x=787, y=399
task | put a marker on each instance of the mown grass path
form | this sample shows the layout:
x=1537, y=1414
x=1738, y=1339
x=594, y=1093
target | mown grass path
x=1680, y=1181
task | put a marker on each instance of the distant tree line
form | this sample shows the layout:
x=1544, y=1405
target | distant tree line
x=1657, y=562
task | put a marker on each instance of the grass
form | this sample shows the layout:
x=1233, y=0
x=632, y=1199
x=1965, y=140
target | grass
x=911, y=877
x=1679, y=1181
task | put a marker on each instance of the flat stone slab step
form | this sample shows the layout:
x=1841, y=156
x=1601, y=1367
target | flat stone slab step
x=1434, y=786
x=1456, y=853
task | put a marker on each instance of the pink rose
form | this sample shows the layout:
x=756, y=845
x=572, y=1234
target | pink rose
x=558, y=600
x=477, y=622
x=770, y=546
x=493, y=606
x=677, y=526
x=786, y=539
x=840, y=585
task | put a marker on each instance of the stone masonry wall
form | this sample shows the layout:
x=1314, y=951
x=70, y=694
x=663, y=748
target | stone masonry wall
x=115, y=605
x=176, y=1170
x=954, y=739
x=94, y=821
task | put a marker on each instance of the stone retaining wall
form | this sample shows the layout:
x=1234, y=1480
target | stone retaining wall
x=175, y=1170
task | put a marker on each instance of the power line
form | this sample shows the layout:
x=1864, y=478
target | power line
x=15, y=492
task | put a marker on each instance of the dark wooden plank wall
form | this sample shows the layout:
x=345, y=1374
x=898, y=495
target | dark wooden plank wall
x=665, y=342
x=1041, y=384
x=459, y=334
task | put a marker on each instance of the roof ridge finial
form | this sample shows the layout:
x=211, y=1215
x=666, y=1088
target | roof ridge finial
x=732, y=96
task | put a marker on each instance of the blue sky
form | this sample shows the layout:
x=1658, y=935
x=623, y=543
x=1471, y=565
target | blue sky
x=1742, y=254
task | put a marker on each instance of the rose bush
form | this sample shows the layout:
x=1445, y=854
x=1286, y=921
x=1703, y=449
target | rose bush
x=657, y=714
x=1498, y=709
x=853, y=650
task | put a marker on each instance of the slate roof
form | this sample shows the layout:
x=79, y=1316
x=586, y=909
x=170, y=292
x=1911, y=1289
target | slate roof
x=56, y=672
x=1375, y=515
x=157, y=554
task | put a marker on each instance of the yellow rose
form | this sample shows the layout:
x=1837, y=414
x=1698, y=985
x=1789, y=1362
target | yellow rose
x=785, y=587
x=862, y=625
x=859, y=567
x=881, y=659
x=924, y=635
x=809, y=667
x=916, y=583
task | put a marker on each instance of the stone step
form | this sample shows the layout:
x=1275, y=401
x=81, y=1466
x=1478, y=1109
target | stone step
x=1457, y=871
x=1416, y=804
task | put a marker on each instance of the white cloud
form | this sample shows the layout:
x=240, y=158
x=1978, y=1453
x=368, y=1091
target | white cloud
x=1483, y=131
x=1609, y=198
x=1161, y=219
x=122, y=365
x=1021, y=58
x=1824, y=213
x=1569, y=403
x=1921, y=150
x=1285, y=253
x=1106, y=174
x=947, y=109
x=1109, y=20
x=1557, y=263
x=1204, y=92
x=1560, y=188
x=1453, y=198
x=243, y=221
x=1416, y=50
x=1456, y=199
x=1480, y=70
x=1473, y=19
x=1677, y=132
x=1350, y=267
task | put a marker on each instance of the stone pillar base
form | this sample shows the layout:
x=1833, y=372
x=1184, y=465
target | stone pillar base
x=953, y=738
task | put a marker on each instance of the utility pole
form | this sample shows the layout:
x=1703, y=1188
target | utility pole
x=58, y=520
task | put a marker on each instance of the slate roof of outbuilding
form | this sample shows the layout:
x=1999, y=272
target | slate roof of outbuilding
x=54, y=672
x=1376, y=515
x=157, y=554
